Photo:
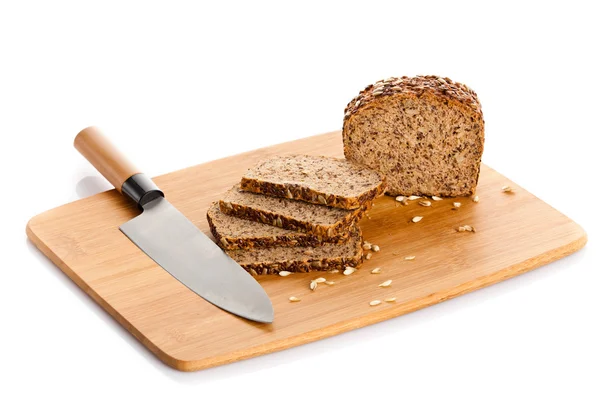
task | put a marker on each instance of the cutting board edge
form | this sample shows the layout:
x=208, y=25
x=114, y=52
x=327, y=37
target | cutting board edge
x=57, y=261
x=309, y=337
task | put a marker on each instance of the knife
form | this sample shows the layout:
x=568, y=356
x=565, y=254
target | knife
x=172, y=240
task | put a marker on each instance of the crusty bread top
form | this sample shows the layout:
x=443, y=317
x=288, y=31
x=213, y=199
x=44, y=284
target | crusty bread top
x=442, y=87
x=326, y=175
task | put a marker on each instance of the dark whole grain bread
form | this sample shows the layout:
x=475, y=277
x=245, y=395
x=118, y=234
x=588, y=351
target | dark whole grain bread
x=289, y=214
x=271, y=260
x=425, y=134
x=315, y=179
x=237, y=233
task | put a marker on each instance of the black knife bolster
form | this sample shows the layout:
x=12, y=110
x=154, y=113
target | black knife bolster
x=141, y=189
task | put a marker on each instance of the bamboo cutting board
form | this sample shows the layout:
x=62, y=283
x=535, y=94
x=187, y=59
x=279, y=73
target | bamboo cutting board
x=516, y=232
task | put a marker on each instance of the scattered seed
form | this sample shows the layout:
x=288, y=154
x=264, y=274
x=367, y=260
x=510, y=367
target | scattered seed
x=410, y=258
x=253, y=272
x=390, y=300
x=435, y=198
x=425, y=203
x=386, y=283
x=400, y=198
x=284, y=273
x=313, y=285
x=404, y=202
x=349, y=271
x=375, y=303
x=376, y=270
x=456, y=205
x=417, y=219
x=466, y=228
x=375, y=248
x=329, y=283
x=322, y=199
x=320, y=280
x=368, y=256
x=294, y=299
x=289, y=194
x=367, y=246
x=411, y=198
x=475, y=199
x=507, y=189
x=334, y=271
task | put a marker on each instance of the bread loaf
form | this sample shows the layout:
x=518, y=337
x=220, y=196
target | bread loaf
x=237, y=233
x=315, y=179
x=425, y=134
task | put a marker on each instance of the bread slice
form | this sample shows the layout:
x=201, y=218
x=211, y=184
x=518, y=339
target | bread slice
x=237, y=233
x=315, y=179
x=425, y=134
x=271, y=260
x=288, y=214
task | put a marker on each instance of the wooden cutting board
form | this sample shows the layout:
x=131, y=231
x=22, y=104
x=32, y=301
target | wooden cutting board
x=516, y=232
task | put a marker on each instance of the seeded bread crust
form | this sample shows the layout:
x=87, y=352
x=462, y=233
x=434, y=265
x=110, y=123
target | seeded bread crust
x=302, y=191
x=408, y=178
x=263, y=235
x=233, y=206
x=299, y=259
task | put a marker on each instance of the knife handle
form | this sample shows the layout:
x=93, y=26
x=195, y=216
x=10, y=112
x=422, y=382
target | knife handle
x=115, y=167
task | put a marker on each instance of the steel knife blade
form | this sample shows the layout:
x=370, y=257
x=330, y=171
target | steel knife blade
x=170, y=239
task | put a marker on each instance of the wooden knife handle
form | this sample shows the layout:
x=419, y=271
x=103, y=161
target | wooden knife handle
x=104, y=156
x=113, y=165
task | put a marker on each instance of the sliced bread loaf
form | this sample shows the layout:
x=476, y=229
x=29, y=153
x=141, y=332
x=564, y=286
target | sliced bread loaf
x=315, y=179
x=237, y=233
x=425, y=134
x=271, y=260
x=288, y=214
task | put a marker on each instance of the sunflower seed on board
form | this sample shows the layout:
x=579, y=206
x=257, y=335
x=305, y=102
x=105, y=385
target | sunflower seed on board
x=375, y=248
x=376, y=270
x=375, y=303
x=368, y=256
x=400, y=199
x=329, y=283
x=390, y=300
x=410, y=258
x=313, y=285
x=320, y=280
x=466, y=228
x=284, y=273
x=456, y=205
x=507, y=189
x=436, y=198
x=411, y=198
x=417, y=219
x=334, y=271
x=294, y=299
x=475, y=199
x=425, y=203
x=386, y=283
x=367, y=246
x=349, y=271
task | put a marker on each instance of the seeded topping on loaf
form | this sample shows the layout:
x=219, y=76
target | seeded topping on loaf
x=425, y=134
x=271, y=260
x=320, y=180
x=288, y=214
x=237, y=233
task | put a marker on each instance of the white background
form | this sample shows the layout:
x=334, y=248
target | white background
x=178, y=84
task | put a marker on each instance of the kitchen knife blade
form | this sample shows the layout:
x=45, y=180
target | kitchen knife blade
x=172, y=240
